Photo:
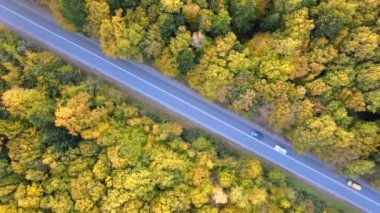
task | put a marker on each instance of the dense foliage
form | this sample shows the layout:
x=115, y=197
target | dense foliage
x=307, y=69
x=70, y=143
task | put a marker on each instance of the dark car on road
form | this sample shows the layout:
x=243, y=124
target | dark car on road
x=256, y=134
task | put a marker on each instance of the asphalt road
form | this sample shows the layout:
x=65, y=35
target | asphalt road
x=181, y=100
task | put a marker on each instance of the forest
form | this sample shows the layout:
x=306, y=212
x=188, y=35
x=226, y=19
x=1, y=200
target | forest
x=306, y=69
x=71, y=143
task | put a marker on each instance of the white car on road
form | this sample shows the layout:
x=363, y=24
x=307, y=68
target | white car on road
x=279, y=149
x=353, y=184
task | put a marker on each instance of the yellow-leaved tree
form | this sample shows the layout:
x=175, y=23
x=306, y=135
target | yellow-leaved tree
x=79, y=119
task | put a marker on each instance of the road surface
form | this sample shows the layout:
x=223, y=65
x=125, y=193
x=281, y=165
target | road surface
x=182, y=101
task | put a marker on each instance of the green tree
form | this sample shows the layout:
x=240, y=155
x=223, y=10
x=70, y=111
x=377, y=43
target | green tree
x=74, y=12
x=185, y=60
x=243, y=15
x=169, y=24
x=332, y=15
x=221, y=23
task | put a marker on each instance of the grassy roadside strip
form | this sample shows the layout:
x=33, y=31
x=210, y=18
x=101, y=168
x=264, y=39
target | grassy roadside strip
x=319, y=196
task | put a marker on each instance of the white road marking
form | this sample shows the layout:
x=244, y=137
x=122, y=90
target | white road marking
x=203, y=112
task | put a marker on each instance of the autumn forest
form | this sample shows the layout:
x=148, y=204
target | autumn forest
x=305, y=69
x=71, y=143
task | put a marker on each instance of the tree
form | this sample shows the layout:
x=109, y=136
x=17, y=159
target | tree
x=181, y=41
x=281, y=116
x=340, y=78
x=97, y=11
x=318, y=88
x=245, y=101
x=24, y=150
x=23, y=102
x=79, y=165
x=211, y=73
x=48, y=73
x=74, y=11
x=108, y=36
x=259, y=44
x=331, y=16
x=205, y=20
x=102, y=168
x=86, y=191
x=271, y=22
x=171, y=6
x=226, y=178
x=258, y=196
x=58, y=138
x=367, y=137
x=59, y=202
x=254, y=169
x=88, y=148
x=275, y=68
x=191, y=13
x=359, y=167
x=239, y=198
x=176, y=199
x=167, y=63
x=365, y=14
x=77, y=116
x=243, y=15
x=138, y=183
x=372, y=99
x=352, y=99
x=221, y=23
x=338, y=111
x=167, y=160
x=298, y=26
x=153, y=44
x=173, y=58
x=125, y=145
x=185, y=60
x=209, y=79
x=29, y=196
x=169, y=24
x=201, y=195
x=121, y=39
x=316, y=132
x=368, y=77
x=361, y=44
